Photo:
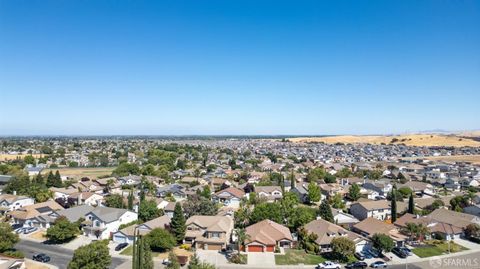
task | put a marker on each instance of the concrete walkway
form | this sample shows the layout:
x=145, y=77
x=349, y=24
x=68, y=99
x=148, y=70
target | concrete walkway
x=266, y=259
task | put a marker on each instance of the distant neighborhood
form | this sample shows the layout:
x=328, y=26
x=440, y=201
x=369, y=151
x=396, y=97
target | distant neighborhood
x=146, y=202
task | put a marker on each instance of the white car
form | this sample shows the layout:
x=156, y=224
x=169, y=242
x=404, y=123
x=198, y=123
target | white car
x=329, y=265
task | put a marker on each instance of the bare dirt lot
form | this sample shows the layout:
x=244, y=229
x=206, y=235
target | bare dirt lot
x=90, y=172
x=7, y=157
x=411, y=140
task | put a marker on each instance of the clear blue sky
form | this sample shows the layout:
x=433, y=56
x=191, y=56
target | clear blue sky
x=238, y=67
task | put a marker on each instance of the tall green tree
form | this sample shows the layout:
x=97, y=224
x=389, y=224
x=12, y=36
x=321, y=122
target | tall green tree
x=92, y=256
x=325, y=211
x=114, y=200
x=382, y=242
x=314, y=194
x=411, y=204
x=148, y=210
x=7, y=238
x=130, y=200
x=342, y=248
x=62, y=230
x=57, y=182
x=393, y=204
x=178, y=223
x=354, y=192
x=50, y=179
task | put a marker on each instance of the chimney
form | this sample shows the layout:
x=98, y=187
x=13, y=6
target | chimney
x=79, y=199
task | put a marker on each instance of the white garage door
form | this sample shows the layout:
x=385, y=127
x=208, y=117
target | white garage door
x=119, y=239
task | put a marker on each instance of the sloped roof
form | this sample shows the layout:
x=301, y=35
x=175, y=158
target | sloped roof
x=267, y=232
x=212, y=223
x=108, y=214
x=233, y=191
x=327, y=231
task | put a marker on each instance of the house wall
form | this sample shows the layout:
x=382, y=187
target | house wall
x=18, y=204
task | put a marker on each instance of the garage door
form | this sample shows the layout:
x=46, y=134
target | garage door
x=119, y=239
x=255, y=249
x=213, y=247
x=270, y=248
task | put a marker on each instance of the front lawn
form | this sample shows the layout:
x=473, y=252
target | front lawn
x=435, y=248
x=127, y=251
x=296, y=256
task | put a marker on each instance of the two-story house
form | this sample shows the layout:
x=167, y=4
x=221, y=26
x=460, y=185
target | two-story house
x=126, y=234
x=36, y=215
x=270, y=193
x=229, y=197
x=102, y=222
x=209, y=232
x=10, y=202
x=375, y=209
x=177, y=191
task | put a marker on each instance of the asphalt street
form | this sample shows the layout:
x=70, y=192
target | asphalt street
x=59, y=256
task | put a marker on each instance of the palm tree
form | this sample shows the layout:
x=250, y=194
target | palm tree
x=242, y=236
x=411, y=230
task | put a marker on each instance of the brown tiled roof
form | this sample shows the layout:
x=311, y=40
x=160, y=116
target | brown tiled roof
x=326, y=231
x=30, y=211
x=233, y=191
x=212, y=223
x=267, y=232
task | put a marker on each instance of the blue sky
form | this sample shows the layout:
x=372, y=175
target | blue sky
x=238, y=67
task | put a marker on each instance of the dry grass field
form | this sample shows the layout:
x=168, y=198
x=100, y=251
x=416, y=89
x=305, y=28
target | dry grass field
x=475, y=159
x=411, y=140
x=77, y=173
x=7, y=157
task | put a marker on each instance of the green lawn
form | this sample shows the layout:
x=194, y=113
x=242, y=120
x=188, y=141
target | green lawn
x=436, y=248
x=295, y=256
x=127, y=251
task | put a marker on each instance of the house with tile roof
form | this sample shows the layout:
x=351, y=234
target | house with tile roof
x=375, y=209
x=266, y=235
x=36, y=215
x=230, y=197
x=327, y=231
x=209, y=232
x=370, y=226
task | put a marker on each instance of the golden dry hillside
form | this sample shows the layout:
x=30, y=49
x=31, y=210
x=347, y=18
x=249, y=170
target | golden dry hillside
x=8, y=157
x=411, y=140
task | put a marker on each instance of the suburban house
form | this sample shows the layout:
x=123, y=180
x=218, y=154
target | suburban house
x=301, y=191
x=130, y=180
x=10, y=202
x=4, y=179
x=86, y=198
x=36, y=215
x=448, y=231
x=33, y=170
x=63, y=193
x=270, y=193
x=209, y=232
x=327, y=231
x=177, y=191
x=74, y=213
x=420, y=188
x=382, y=187
x=126, y=234
x=375, y=209
x=330, y=189
x=266, y=235
x=102, y=222
x=229, y=197
x=344, y=219
x=370, y=226
x=472, y=210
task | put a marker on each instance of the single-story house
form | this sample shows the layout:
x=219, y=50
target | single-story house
x=264, y=236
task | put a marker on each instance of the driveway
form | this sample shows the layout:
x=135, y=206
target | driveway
x=81, y=240
x=212, y=257
x=266, y=259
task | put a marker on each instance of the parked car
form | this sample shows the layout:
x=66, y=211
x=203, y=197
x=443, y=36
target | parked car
x=166, y=262
x=366, y=254
x=374, y=253
x=407, y=251
x=328, y=265
x=379, y=264
x=121, y=246
x=399, y=252
x=19, y=230
x=41, y=257
x=355, y=265
x=16, y=226
x=359, y=256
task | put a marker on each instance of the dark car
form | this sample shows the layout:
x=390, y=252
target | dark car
x=407, y=251
x=121, y=246
x=42, y=257
x=355, y=265
x=400, y=252
x=359, y=256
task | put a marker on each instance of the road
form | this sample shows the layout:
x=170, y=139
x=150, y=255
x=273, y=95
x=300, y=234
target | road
x=59, y=256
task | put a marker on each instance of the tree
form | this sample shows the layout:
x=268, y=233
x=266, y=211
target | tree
x=50, y=179
x=57, y=180
x=115, y=200
x=393, y=205
x=39, y=180
x=271, y=211
x=354, y=192
x=125, y=169
x=29, y=159
x=325, y=212
x=242, y=237
x=7, y=238
x=161, y=240
x=174, y=264
x=337, y=201
x=300, y=216
x=342, y=248
x=148, y=210
x=411, y=204
x=178, y=223
x=62, y=230
x=472, y=231
x=92, y=256
x=382, y=242
x=316, y=174
x=206, y=192
x=199, y=205
x=314, y=194
x=141, y=252
x=130, y=201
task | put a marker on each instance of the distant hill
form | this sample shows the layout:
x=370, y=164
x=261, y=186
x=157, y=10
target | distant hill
x=450, y=140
